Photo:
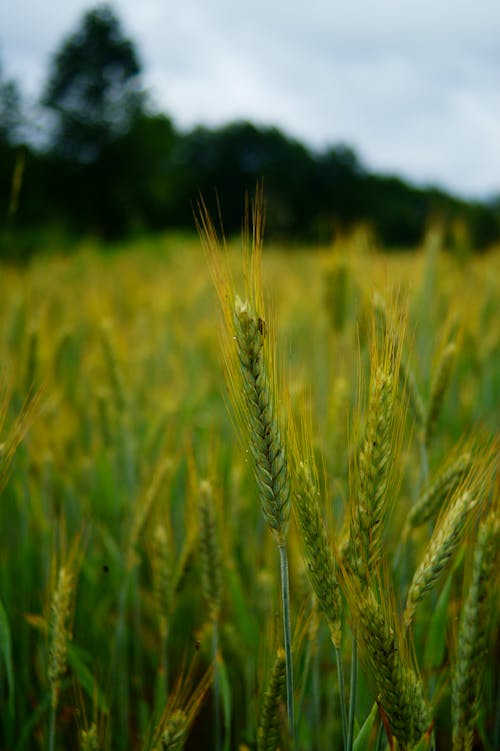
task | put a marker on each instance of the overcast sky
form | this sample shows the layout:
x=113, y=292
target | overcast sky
x=414, y=87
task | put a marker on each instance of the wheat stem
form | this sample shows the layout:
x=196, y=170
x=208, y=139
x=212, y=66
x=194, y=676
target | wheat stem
x=442, y=545
x=268, y=451
x=401, y=691
x=472, y=636
x=287, y=632
x=343, y=708
x=268, y=736
x=352, y=692
x=321, y=566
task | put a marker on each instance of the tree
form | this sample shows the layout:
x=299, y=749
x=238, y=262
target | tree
x=10, y=110
x=93, y=89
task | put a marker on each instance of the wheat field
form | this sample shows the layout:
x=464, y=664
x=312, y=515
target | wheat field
x=250, y=502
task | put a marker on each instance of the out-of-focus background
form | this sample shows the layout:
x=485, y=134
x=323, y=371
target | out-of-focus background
x=113, y=119
x=140, y=594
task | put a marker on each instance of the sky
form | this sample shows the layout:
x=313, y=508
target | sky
x=413, y=87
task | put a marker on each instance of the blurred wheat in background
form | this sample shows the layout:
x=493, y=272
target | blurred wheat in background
x=143, y=605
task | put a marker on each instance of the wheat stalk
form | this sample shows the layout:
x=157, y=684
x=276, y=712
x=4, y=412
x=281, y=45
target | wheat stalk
x=269, y=732
x=472, y=645
x=90, y=739
x=400, y=689
x=266, y=444
x=59, y=636
x=250, y=360
x=211, y=579
x=175, y=732
x=444, y=484
x=321, y=565
x=442, y=545
x=439, y=385
x=210, y=553
x=372, y=491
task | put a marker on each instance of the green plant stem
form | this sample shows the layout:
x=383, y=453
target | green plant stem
x=380, y=735
x=287, y=630
x=316, y=697
x=343, y=709
x=215, y=649
x=52, y=729
x=352, y=692
x=496, y=726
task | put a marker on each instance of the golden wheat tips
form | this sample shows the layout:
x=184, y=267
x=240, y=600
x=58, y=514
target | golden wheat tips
x=258, y=408
x=59, y=630
x=269, y=733
x=472, y=641
x=442, y=546
x=210, y=553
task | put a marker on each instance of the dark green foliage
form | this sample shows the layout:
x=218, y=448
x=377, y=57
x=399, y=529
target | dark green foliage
x=92, y=88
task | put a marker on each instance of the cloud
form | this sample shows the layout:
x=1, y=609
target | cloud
x=413, y=86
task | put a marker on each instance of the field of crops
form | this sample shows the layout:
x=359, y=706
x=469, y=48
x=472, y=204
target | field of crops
x=159, y=461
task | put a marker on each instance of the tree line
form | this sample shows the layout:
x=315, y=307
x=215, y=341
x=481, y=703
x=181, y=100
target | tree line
x=96, y=157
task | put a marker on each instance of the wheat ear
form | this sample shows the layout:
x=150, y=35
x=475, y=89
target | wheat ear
x=210, y=553
x=254, y=393
x=439, y=385
x=89, y=739
x=370, y=502
x=472, y=643
x=266, y=445
x=211, y=579
x=269, y=732
x=406, y=374
x=444, y=542
x=401, y=690
x=59, y=636
x=175, y=732
x=321, y=565
x=444, y=484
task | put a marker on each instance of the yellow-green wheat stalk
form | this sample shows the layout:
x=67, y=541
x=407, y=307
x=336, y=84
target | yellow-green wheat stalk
x=59, y=632
x=143, y=507
x=182, y=707
x=387, y=653
x=210, y=553
x=321, y=565
x=463, y=505
x=11, y=438
x=89, y=739
x=269, y=732
x=439, y=385
x=430, y=501
x=374, y=472
x=472, y=643
x=211, y=579
x=406, y=374
x=249, y=350
x=401, y=692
